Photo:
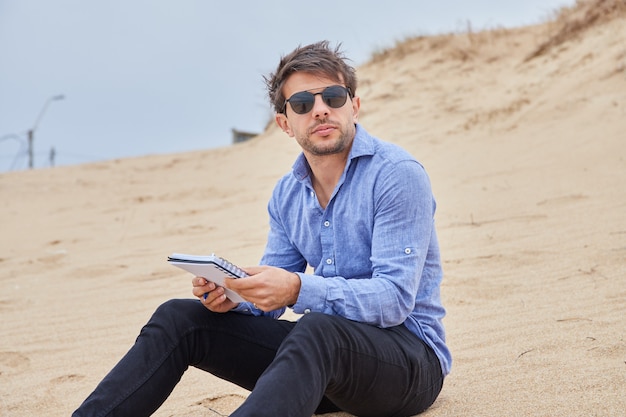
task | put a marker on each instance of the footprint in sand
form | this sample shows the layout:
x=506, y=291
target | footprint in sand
x=66, y=378
x=13, y=361
x=222, y=405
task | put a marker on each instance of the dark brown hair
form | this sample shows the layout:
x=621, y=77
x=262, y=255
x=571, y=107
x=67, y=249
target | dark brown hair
x=317, y=58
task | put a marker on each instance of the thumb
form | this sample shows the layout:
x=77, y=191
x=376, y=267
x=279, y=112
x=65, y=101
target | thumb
x=253, y=270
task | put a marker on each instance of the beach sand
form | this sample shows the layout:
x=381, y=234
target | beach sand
x=523, y=134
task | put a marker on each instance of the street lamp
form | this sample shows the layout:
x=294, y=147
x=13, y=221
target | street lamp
x=31, y=132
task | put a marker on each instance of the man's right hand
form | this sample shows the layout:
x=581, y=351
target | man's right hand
x=211, y=295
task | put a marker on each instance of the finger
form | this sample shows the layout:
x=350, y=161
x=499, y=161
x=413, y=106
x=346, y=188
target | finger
x=241, y=284
x=253, y=270
x=209, y=297
x=199, y=281
x=199, y=291
x=214, y=298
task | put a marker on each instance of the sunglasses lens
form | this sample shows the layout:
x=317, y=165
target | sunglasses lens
x=334, y=96
x=302, y=102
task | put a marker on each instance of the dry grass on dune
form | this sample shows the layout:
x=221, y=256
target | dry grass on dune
x=571, y=22
x=567, y=23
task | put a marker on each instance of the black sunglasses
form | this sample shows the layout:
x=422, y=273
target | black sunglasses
x=302, y=102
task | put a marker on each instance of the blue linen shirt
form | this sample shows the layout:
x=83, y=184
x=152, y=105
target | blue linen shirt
x=373, y=250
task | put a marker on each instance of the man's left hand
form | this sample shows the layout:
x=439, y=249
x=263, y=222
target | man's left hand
x=267, y=287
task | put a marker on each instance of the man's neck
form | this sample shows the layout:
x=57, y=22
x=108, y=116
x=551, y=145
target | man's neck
x=326, y=171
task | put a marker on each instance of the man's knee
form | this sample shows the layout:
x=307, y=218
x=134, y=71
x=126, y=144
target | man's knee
x=176, y=315
x=316, y=321
x=320, y=328
x=174, y=308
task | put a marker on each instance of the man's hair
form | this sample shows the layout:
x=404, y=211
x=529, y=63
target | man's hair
x=318, y=59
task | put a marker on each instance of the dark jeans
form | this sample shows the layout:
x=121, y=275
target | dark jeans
x=320, y=364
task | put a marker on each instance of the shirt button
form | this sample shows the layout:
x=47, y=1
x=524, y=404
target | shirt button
x=329, y=261
x=307, y=310
x=407, y=251
x=326, y=223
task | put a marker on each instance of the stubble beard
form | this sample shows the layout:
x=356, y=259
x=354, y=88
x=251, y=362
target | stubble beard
x=335, y=146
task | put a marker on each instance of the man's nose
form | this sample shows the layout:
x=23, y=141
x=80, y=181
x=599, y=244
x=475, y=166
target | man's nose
x=320, y=109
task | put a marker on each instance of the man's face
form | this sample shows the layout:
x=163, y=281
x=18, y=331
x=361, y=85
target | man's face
x=324, y=130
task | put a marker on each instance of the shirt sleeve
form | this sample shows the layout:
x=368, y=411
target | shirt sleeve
x=249, y=309
x=278, y=252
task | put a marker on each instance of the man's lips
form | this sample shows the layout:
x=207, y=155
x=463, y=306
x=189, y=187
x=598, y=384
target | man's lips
x=324, y=130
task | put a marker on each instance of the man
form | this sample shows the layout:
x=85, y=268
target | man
x=360, y=212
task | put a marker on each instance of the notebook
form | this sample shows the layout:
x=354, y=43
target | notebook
x=212, y=267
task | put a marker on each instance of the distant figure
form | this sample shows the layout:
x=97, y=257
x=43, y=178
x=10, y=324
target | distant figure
x=360, y=212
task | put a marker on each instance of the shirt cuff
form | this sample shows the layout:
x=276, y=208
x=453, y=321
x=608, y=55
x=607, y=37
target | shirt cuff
x=312, y=294
x=246, y=308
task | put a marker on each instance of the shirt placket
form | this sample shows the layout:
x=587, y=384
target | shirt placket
x=328, y=243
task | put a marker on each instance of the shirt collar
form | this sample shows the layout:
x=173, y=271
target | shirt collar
x=362, y=145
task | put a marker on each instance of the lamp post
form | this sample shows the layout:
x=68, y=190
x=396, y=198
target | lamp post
x=31, y=132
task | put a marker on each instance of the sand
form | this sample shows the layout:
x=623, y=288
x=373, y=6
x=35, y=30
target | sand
x=523, y=133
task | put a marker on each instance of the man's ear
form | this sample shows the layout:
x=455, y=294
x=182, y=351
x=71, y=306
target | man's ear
x=283, y=123
x=356, y=105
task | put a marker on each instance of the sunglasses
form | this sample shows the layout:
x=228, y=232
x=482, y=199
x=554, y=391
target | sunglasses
x=334, y=96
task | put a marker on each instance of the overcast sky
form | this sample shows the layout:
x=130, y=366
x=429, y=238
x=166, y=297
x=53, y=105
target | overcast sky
x=155, y=76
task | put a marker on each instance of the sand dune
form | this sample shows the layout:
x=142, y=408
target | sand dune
x=523, y=132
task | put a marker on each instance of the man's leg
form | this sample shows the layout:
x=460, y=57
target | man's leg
x=364, y=370
x=181, y=333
